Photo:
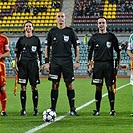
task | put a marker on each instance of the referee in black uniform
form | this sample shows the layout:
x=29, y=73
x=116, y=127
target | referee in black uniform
x=102, y=44
x=61, y=39
x=26, y=64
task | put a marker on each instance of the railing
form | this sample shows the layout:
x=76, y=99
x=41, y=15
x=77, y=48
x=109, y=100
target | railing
x=122, y=27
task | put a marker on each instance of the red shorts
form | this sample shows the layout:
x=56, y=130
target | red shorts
x=2, y=74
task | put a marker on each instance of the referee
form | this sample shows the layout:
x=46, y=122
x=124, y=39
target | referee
x=26, y=65
x=61, y=39
x=102, y=44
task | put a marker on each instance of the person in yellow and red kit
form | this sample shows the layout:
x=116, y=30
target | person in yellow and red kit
x=4, y=52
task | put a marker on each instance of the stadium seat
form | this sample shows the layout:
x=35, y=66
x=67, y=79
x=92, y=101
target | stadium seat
x=105, y=13
x=5, y=17
x=54, y=24
x=105, y=9
x=108, y=16
x=109, y=9
x=4, y=7
x=30, y=18
x=106, y=6
x=14, y=14
x=26, y=18
x=21, y=21
x=113, y=13
x=18, y=14
x=47, y=17
x=33, y=21
x=8, y=17
x=8, y=7
x=114, y=9
x=51, y=17
x=37, y=3
x=110, y=5
x=109, y=13
x=4, y=22
x=29, y=3
x=31, y=14
x=41, y=3
x=57, y=10
x=114, y=5
x=41, y=24
x=113, y=17
x=52, y=14
x=38, y=21
x=8, y=21
x=55, y=21
x=13, y=3
x=22, y=17
x=106, y=2
x=46, y=21
x=39, y=13
x=43, y=13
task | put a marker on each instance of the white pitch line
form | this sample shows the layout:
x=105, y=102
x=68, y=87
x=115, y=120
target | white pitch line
x=61, y=117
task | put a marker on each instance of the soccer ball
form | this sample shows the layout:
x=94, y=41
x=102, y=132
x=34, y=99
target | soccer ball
x=49, y=115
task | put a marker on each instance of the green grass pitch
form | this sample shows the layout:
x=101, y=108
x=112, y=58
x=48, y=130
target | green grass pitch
x=85, y=123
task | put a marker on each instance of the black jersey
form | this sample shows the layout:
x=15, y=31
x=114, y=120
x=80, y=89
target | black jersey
x=61, y=41
x=103, y=46
x=28, y=47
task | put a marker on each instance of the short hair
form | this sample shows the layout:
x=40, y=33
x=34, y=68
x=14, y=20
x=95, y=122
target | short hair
x=101, y=18
x=28, y=22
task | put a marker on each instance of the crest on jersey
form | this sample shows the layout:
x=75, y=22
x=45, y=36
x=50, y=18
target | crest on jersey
x=66, y=38
x=97, y=45
x=108, y=44
x=33, y=48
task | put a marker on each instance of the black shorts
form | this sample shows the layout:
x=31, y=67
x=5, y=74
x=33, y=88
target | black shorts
x=60, y=65
x=103, y=70
x=28, y=70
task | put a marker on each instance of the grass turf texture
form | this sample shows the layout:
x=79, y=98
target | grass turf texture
x=85, y=123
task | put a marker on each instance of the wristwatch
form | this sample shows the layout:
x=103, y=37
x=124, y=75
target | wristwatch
x=77, y=61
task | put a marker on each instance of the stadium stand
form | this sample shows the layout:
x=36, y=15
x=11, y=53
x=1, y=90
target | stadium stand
x=14, y=13
x=85, y=15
